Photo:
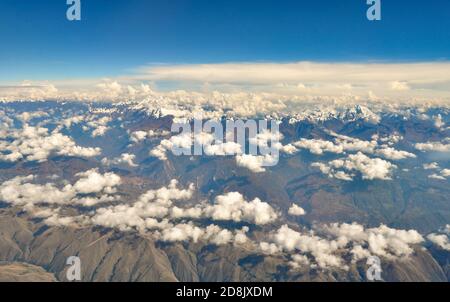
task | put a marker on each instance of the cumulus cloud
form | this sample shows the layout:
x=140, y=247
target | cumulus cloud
x=267, y=140
x=179, y=142
x=123, y=159
x=255, y=163
x=159, y=204
x=443, y=174
x=392, y=154
x=111, y=88
x=369, y=168
x=19, y=191
x=381, y=241
x=98, y=125
x=155, y=211
x=440, y=240
x=399, y=86
x=160, y=214
x=295, y=210
x=343, y=144
x=431, y=166
x=25, y=117
x=211, y=234
x=93, y=182
x=433, y=146
x=318, y=146
x=184, y=144
x=152, y=204
x=327, y=244
x=436, y=176
x=321, y=249
x=73, y=120
x=37, y=144
x=233, y=206
x=223, y=149
x=33, y=91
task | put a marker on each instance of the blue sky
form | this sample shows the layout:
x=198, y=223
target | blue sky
x=115, y=36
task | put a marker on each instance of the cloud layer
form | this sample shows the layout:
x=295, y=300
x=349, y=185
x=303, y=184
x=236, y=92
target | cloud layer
x=272, y=85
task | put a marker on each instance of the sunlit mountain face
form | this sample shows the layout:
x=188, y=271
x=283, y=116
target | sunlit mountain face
x=100, y=180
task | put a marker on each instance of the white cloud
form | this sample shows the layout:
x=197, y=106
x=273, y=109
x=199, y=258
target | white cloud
x=344, y=144
x=255, y=163
x=123, y=159
x=182, y=232
x=440, y=240
x=73, y=120
x=156, y=214
x=370, y=168
x=295, y=210
x=233, y=206
x=392, y=154
x=194, y=212
x=443, y=174
x=138, y=136
x=431, y=166
x=180, y=142
x=93, y=182
x=381, y=241
x=315, y=78
x=250, y=89
x=183, y=143
x=433, y=146
x=98, y=124
x=20, y=192
x=211, y=234
x=152, y=204
x=37, y=144
x=400, y=86
x=321, y=249
x=223, y=149
x=25, y=117
x=318, y=146
x=110, y=88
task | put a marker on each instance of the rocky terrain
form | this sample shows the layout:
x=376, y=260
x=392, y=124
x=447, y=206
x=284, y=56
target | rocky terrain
x=22, y=272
